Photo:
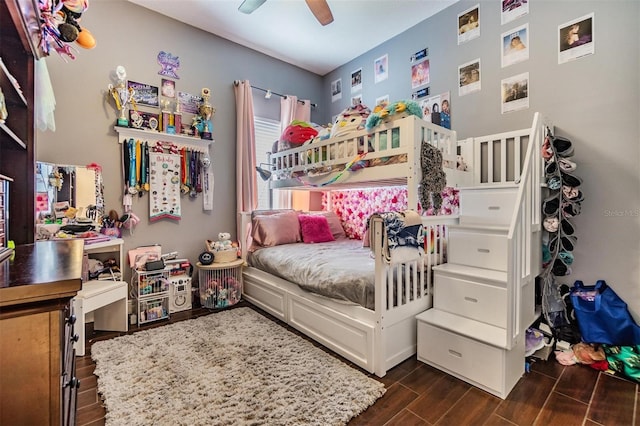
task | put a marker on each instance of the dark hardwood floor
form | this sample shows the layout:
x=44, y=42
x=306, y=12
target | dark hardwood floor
x=417, y=394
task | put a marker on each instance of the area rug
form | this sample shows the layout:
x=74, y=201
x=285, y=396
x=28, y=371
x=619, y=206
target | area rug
x=235, y=367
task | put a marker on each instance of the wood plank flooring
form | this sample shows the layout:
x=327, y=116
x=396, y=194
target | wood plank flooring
x=417, y=394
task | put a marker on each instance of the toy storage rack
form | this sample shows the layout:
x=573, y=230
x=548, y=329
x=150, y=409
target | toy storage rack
x=151, y=292
x=220, y=284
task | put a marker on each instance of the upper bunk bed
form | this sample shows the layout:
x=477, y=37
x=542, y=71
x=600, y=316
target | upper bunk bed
x=389, y=153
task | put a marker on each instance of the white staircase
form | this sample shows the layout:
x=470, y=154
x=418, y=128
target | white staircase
x=484, y=294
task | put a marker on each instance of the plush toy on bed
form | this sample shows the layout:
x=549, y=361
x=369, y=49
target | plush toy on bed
x=433, y=178
x=296, y=134
x=382, y=112
x=351, y=119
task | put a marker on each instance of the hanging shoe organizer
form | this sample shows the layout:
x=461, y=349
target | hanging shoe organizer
x=563, y=203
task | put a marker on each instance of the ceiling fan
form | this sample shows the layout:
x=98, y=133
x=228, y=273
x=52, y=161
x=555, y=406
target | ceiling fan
x=319, y=8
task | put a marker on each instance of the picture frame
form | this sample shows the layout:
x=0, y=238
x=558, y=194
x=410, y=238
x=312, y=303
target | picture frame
x=144, y=94
x=189, y=103
x=145, y=117
x=576, y=38
x=168, y=88
x=420, y=74
x=383, y=101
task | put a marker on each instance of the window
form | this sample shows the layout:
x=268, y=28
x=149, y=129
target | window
x=267, y=132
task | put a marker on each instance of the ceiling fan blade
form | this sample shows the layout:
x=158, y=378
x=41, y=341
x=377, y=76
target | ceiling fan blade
x=248, y=6
x=321, y=11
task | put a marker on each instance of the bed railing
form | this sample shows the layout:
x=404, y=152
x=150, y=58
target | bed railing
x=399, y=140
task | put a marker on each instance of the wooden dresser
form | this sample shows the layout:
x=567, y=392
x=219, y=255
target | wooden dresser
x=37, y=361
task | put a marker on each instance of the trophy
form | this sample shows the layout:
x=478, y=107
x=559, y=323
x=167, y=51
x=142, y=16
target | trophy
x=206, y=111
x=122, y=96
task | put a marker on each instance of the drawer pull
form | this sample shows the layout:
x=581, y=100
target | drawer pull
x=494, y=207
x=455, y=353
x=482, y=250
x=470, y=299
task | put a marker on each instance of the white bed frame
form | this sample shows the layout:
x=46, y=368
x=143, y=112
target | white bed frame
x=375, y=340
x=378, y=339
x=412, y=131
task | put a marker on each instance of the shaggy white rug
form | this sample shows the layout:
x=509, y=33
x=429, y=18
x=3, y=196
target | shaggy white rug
x=235, y=367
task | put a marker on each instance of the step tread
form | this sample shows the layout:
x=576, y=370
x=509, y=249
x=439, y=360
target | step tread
x=472, y=272
x=505, y=185
x=479, y=226
x=466, y=327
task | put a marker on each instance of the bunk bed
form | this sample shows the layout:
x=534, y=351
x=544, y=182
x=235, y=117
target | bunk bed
x=381, y=334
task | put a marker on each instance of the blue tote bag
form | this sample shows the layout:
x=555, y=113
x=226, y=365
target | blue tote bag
x=602, y=316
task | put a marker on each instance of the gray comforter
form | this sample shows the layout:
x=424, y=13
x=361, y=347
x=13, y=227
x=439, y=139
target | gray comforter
x=340, y=269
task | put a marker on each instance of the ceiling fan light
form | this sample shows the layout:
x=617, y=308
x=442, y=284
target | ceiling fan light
x=248, y=6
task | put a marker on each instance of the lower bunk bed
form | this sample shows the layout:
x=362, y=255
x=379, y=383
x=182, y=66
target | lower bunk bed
x=371, y=323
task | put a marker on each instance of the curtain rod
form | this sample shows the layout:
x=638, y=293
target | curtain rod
x=274, y=93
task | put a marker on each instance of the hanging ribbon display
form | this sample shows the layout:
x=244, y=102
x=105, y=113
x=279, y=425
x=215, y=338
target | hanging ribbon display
x=347, y=168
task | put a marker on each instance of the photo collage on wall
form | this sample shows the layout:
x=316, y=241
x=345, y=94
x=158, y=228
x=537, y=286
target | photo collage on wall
x=437, y=109
x=514, y=48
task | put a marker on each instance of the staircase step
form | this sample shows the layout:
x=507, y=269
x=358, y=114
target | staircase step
x=480, y=227
x=492, y=204
x=472, y=329
x=472, y=272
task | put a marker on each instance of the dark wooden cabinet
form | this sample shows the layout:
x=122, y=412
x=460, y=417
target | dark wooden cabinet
x=38, y=385
x=19, y=49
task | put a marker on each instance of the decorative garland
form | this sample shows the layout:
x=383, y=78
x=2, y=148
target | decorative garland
x=348, y=167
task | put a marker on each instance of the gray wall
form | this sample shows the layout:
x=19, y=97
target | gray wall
x=594, y=101
x=132, y=36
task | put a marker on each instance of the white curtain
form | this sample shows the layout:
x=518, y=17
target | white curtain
x=290, y=109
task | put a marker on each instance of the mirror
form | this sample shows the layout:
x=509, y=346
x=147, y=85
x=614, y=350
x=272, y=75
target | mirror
x=62, y=190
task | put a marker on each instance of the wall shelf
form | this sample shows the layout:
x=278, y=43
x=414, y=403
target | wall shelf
x=191, y=142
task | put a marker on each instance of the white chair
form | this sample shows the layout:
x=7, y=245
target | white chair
x=108, y=302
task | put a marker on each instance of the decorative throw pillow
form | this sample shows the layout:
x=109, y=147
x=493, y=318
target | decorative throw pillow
x=334, y=224
x=315, y=229
x=276, y=229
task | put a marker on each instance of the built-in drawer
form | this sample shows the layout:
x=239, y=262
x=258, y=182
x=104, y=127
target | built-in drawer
x=463, y=357
x=481, y=302
x=479, y=249
x=487, y=206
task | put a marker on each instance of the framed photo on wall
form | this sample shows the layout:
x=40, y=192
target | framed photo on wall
x=188, y=102
x=576, y=39
x=144, y=94
x=168, y=88
x=420, y=74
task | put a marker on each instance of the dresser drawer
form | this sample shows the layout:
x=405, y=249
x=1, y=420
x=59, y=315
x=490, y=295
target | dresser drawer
x=465, y=358
x=481, y=302
x=487, y=206
x=479, y=249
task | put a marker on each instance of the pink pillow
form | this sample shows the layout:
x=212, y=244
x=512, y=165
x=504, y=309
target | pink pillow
x=315, y=229
x=276, y=229
x=334, y=223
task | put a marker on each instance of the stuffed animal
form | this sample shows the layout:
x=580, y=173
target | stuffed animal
x=433, y=177
x=224, y=242
x=350, y=120
x=381, y=112
x=296, y=134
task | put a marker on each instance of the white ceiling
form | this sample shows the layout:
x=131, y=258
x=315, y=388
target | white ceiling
x=287, y=30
